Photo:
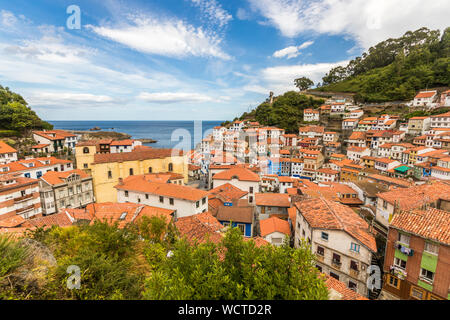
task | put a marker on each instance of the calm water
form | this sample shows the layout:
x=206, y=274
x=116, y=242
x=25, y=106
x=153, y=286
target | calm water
x=162, y=131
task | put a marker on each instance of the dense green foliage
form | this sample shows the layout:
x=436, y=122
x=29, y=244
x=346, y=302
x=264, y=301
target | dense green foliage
x=12, y=257
x=236, y=269
x=16, y=115
x=149, y=261
x=303, y=83
x=395, y=69
x=286, y=111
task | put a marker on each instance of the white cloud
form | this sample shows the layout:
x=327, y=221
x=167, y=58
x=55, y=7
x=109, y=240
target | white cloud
x=58, y=98
x=280, y=79
x=256, y=88
x=170, y=37
x=366, y=21
x=292, y=51
x=213, y=11
x=242, y=14
x=174, y=97
x=7, y=19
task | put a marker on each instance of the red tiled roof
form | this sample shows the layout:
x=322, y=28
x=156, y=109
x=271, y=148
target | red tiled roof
x=325, y=214
x=54, y=177
x=430, y=224
x=242, y=174
x=273, y=200
x=274, y=224
x=136, y=155
x=140, y=184
x=4, y=148
x=425, y=94
x=343, y=291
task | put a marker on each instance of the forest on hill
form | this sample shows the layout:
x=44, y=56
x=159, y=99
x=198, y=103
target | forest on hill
x=16, y=117
x=395, y=69
x=285, y=112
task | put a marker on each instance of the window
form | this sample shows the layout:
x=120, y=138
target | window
x=85, y=150
x=427, y=275
x=170, y=167
x=150, y=169
x=393, y=281
x=109, y=174
x=146, y=196
x=352, y=285
x=400, y=263
x=320, y=251
x=336, y=258
x=353, y=265
x=385, y=204
x=277, y=240
x=403, y=238
x=197, y=204
x=319, y=268
x=85, y=165
x=126, y=193
x=251, y=189
x=250, y=199
x=334, y=275
x=122, y=216
x=161, y=199
x=431, y=248
x=355, y=247
x=324, y=236
x=241, y=227
x=171, y=201
x=131, y=171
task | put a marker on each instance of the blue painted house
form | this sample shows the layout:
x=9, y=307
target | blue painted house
x=238, y=215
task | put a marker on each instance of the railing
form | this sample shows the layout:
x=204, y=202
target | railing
x=319, y=257
x=26, y=197
x=336, y=264
x=354, y=273
x=25, y=209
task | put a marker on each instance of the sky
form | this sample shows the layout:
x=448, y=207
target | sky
x=186, y=59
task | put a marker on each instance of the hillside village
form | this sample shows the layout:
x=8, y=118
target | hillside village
x=374, y=192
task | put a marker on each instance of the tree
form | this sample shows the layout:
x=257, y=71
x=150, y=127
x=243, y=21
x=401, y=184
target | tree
x=303, y=83
x=235, y=269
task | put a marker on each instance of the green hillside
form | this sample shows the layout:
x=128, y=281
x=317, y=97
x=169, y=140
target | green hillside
x=16, y=117
x=395, y=69
x=285, y=112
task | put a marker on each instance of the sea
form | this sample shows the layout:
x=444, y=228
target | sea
x=168, y=134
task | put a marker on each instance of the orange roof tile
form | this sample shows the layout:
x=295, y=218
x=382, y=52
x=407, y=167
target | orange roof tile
x=325, y=214
x=4, y=148
x=273, y=200
x=242, y=174
x=274, y=224
x=430, y=224
x=140, y=184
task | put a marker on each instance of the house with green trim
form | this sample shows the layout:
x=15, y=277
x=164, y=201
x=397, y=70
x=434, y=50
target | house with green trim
x=417, y=258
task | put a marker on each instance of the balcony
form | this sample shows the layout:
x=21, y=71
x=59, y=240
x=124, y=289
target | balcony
x=354, y=273
x=398, y=272
x=319, y=257
x=21, y=210
x=24, y=198
x=336, y=264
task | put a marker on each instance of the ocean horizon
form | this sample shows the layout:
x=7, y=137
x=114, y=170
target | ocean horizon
x=181, y=134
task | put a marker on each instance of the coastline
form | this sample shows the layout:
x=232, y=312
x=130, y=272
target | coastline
x=93, y=135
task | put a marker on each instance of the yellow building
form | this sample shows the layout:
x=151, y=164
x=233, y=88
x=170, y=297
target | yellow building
x=84, y=154
x=107, y=168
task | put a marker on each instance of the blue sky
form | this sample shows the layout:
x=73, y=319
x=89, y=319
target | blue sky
x=186, y=59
